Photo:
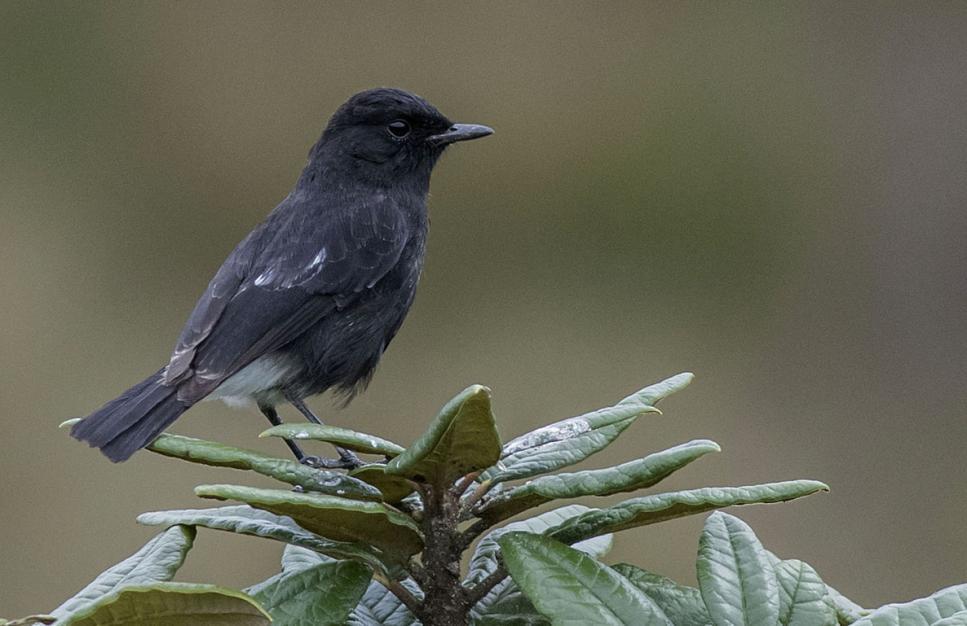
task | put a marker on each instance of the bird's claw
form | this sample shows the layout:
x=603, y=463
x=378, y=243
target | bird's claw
x=349, y=461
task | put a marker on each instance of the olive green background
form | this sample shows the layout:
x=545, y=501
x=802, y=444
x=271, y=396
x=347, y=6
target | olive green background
x=771, y=195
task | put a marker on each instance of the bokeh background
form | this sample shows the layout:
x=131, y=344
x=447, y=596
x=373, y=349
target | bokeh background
x=771, y=195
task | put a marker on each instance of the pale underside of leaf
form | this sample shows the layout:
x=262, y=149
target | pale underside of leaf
x=803, y=597
x=957, y=619
x=735, y=574
x=156, y=561
x=923, y=612
x=846, y=610
x=379, y=607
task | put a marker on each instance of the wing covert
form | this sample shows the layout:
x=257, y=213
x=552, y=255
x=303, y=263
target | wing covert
x=293, y=269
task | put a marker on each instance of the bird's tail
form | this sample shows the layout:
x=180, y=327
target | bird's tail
x=132, y=420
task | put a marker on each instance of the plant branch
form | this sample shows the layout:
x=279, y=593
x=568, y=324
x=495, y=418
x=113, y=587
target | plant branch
x=443, y=600
x=463, y=483
x=416, y=572
x=471, y=533
x=403, y=594
x=476, y=593
x=474, y=498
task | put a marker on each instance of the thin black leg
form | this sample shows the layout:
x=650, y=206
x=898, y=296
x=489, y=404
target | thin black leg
x=305, y=410
x=273, y=416
x=347, y=458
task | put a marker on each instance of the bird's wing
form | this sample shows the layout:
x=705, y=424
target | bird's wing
x=223, y=287
x=285, y=276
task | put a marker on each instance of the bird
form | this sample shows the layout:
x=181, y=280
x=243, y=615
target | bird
x=312, y=297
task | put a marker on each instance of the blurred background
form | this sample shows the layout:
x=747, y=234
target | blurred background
x=770, y=195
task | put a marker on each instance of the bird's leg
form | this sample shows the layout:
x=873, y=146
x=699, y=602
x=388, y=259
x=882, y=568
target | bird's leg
x=347, y=459
x=272, y=415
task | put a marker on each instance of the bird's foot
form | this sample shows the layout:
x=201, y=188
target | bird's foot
x=347, y=460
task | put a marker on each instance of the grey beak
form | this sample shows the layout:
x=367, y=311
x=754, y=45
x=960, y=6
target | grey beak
x=460, y=132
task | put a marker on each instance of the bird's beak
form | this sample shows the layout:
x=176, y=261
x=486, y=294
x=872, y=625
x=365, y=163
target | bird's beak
x=460, y=132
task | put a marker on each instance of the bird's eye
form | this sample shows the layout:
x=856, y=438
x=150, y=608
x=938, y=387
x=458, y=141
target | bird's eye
x=398, y=128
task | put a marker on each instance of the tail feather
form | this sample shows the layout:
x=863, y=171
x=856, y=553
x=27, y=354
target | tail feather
x=132, y=420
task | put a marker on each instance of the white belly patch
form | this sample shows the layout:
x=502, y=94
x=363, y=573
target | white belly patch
x=255, y=379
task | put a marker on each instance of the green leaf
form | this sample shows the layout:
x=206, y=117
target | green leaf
x=957, y=619
x=505, y=604
x=339, y=519
x=666, y=506
x=245, y=520
x=516, y=610
x=156, y=561
x=802, y=595
x=630, y=476
x=460, y=440
x=941, y=605
x=349, y=439
x=379, y=607
x=323, y=594
x=27, y=621
x=294, y=560
x=735, y=574
x=484, y=559
x=574, y=446
x=393, y=488
x=570, y=587
x=682, y=604
x=570, y=441
x=291, y=472
x=173, y=604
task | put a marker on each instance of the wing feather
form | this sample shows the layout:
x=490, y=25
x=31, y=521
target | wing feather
x=289, y=273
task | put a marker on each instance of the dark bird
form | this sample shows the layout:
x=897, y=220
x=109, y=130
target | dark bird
x=311, y=298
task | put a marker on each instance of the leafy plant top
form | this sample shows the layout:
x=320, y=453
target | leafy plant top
x=383, y=544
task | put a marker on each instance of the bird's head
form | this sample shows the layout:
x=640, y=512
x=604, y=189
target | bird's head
x=387, y=136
